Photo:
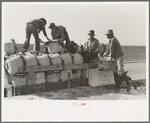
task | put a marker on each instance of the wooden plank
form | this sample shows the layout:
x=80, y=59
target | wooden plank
x=69, y=76
x=41, y=68
x=75, y=66
x=92, y=65
x=58, y=67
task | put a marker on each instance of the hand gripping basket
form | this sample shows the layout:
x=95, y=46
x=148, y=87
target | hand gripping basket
x=105, y=64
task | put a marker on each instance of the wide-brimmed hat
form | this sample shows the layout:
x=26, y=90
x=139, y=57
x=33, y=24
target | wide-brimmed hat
x=43, y=20
x=52, y=25
x=109, y=32
x=91, y=32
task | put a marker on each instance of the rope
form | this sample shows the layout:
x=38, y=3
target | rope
x=72, y=57
x=50, y=60
x=38, y=63
x=23, y=59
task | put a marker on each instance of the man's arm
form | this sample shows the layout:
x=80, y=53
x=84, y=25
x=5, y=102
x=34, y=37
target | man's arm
x=112, y=48
x=85, y=46
x=100, y=48
x=44, y=32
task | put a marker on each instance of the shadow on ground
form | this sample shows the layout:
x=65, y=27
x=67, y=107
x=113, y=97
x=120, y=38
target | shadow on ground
x=96, y=93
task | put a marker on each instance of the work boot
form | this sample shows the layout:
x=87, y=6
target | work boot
x=116, y=78
x=23, y=50
x=20, y=53
x=126, y=79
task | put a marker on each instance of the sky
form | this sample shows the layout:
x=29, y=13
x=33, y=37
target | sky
x=129, y=20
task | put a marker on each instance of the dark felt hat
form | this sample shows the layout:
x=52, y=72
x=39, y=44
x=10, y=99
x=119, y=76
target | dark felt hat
x=52, y=25
x=43, y=20
x=109, y=32
x=91, y=32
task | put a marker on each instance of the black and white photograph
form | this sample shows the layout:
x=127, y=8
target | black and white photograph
x=75, y=61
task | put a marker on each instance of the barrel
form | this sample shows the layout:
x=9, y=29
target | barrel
x=40, y=78
x=44, y=59
x=10, y=47
x=54, y=47
x=64, y=75
x=30, y=59
x=13, y=64
x=52, y=76
x=43, y=48
x=19, y=80
x=55, y=59
x=77, y=58
x=67, y=58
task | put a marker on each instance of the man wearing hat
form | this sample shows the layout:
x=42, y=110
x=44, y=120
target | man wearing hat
x=115, y=52
x=60, y=34
x=34, y=27
x=91, y=48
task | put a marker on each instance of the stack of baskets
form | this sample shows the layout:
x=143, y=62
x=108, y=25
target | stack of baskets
x=15, y=62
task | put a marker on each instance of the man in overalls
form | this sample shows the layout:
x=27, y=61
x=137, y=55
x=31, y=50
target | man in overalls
x=91, y=48
x=34, y=27
x=60, y=34
x=115, y=52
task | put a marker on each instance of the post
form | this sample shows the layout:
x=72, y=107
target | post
x=69, y=77
x=9, y=90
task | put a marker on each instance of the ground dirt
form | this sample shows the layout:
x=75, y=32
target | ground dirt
x=91, y=93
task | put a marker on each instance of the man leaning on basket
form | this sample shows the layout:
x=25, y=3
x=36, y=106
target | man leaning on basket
x=34, y=27
x=115, y=52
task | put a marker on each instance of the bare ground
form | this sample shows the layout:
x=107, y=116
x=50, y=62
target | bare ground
x=91, y=93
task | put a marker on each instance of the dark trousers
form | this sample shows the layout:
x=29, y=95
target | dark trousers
x=87, y=56
x=31, y=29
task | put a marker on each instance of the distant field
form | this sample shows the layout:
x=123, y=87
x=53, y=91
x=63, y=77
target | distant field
x=131, y=53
